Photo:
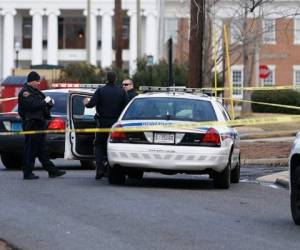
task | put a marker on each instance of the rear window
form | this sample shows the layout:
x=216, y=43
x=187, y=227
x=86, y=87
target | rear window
x=60, y=105
x=158, y=108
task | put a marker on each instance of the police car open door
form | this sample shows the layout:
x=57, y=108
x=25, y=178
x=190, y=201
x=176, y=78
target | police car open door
x=79, y=145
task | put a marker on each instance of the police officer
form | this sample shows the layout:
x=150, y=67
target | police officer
x=128, y=86
x=34, y=109
x=109, y=100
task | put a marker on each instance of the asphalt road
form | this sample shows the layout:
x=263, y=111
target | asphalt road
x=158, y=212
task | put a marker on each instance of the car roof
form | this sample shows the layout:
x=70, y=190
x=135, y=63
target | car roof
x=182, y=95
x=70, y=90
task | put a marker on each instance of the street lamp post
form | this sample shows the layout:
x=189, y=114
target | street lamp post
x=17, y=49
x=88, y=32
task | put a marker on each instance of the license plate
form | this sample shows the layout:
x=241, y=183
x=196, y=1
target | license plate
x=16, y=126
x=164, y=138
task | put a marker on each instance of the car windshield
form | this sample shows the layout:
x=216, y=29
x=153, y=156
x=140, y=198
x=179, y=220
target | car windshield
x=60, y=105
x=158, y=108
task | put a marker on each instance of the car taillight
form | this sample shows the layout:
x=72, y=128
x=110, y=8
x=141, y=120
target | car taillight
x=56, y=124
x=118, y=136
x=212, y=136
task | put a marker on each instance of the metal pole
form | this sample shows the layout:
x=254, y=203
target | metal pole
x=170, y=62
x=161, y=32
x=17, y=59
x=139, y=25
x=88, y=32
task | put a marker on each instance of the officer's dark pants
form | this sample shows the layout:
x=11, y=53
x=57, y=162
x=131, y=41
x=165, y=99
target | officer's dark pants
x=101, y=145
x=35, y=146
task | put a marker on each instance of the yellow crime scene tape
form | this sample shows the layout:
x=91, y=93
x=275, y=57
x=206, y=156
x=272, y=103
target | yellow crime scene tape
x=193, y=125
x=253, y=88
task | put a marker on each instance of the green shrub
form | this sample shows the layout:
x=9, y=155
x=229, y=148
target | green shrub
x=82, y=73
x=157, y=74
x=283, y=97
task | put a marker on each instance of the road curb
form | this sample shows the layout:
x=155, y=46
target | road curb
x=279, y=178
x=282, y=182
x=267, y=161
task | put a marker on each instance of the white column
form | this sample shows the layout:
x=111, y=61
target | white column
x=52, y=45
x=106, y=38
x=8, y=41
x=151, y=34
x=133, y=42
x=93, y=36
x=37, y=36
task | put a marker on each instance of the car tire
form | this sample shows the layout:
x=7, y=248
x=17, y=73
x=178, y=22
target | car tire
x=236, y=172
x=135, y=174
x=11, y=161
x=116, y=175
x=87, y=164
x=222, y=180
x=295, y=195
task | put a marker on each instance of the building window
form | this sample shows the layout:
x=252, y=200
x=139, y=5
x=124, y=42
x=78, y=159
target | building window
x=296, y=75
x=171, y=29
x=237, y=80
x=71, y=33
x=297, y=30
x=126, y=30
x=269, y=31
x=270, y=80
x=27, y=32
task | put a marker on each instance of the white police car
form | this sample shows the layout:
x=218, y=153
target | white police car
x=294, y=172
x=173, y=148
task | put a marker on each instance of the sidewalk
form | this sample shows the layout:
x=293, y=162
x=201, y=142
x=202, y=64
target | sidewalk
x=259, y=136
x=280, y=178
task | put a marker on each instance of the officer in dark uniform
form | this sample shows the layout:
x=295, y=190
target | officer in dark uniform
x=128, y=86
x=109, y=100
x=34, y=109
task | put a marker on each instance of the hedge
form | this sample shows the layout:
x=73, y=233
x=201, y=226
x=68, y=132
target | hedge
x=283, y=97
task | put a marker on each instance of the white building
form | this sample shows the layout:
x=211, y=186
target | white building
x=34, y=32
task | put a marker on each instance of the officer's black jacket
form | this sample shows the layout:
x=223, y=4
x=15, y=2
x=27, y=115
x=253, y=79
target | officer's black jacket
x=31, y=104
x=131, y=93
x=109, y=100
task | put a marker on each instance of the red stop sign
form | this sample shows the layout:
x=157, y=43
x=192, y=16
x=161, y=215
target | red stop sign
x=264, y=71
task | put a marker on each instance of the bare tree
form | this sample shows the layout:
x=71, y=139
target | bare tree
x=118, y=33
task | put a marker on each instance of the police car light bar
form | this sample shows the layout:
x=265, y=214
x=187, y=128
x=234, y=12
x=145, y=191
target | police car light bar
x=173, y=89
x=76, y=85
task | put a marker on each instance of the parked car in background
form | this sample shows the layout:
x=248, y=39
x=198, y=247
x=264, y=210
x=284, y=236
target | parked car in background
x=294, y=173
x=11, y=146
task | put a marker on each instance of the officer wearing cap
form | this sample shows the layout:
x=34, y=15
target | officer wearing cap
x=34, y=109
x=109, y=101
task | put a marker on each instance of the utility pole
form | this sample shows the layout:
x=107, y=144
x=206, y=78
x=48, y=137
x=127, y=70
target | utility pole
x=88, y=32
x=170, y=62
x=139, y=25
x=118, y=33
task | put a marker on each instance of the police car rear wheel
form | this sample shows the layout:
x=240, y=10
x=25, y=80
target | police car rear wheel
x=295, y=194
x=222, y=180
x=11, y=161
x=135, y=174
x=235, y=173
x=116, y=175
